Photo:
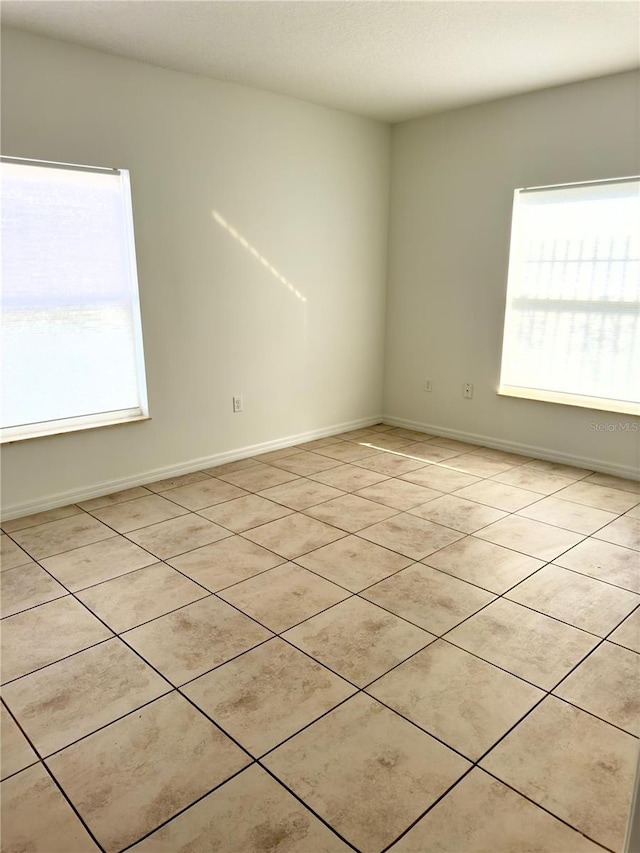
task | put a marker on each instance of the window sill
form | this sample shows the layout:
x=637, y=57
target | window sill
x=621, y=407
x=13, y=435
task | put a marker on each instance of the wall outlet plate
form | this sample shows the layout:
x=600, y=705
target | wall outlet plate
x=237, y=405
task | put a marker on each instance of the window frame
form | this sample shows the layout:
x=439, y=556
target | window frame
x=540, y=394
x=97, y=420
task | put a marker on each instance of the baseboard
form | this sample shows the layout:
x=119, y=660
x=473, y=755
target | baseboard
x=629, y=472
x=107, y=487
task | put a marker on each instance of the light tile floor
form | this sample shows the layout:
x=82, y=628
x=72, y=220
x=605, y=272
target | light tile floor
x=381, y=640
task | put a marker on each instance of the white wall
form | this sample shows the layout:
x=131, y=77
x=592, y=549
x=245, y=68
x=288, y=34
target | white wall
x=305, y=185
x=453, y=177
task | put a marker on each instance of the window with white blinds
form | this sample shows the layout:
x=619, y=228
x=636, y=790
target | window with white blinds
x=572, y=322
x=72, y=354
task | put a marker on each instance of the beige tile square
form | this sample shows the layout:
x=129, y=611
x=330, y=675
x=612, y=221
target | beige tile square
x=244, y=513
x=37, y=818
x=581, y=601
x=353, y=562
x=634, y=513
x=454, y=444
x=188, y=642
x=605, y=561
x=27, y=586
x=481, y=815
x=479, y=466
x=502, y=455
x=358, y=640
x=40, y=518
x=429, y=598
x=391, y=464
x=92, y=564
x=462, y=700
x=15, y=752
x=254, y=814
x=534, y=480
x=45, y=634
x=530, y=537
x=294, y=535
x=628, y=634
x=606, y=685
x=305, y=463
x=226, y=562
x=72, y=698
x=413, y=537
x=398, y=494
x=301, y=494
x=283, y=596
x=411, y=434
x=277, y=454
x=557, y=469
x=175, y=482
x=611, y=482
x=258, y=477
x=205, y=493
x=366, y=771
x=570, y=516
x=385, y=442
x=428, y=452
x=127, y=779
x=266, y=695
x=600, y=497
x=11, y=555
x=528, y=644
x=440, y=479
x=232, y=467
x=44, y=540
x=115, y=498
x=350, y=512
x=348, y=478
x=623, y=531
x=457, y=513
x=353, y=434
x=138, y=513
x=319, y=442
x=498, y=495
x=142, y=595
x=178, y=535
x=347, y=451
x=572, y=764
x=482, y=563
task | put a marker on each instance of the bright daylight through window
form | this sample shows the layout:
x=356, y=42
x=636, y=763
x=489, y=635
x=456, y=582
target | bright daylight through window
x=572, y=324
x=71, y=333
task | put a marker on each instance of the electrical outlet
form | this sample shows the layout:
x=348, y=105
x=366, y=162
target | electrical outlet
x=467, y=390
x=237, y=405
x=427, y=385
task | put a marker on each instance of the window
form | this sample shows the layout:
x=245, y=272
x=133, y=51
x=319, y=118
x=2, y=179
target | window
x=572, y=323
x=72, y=353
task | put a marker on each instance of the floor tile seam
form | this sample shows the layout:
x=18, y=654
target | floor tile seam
x=36, y=754
x=5, y=684
x=548, y=811
x=617, y=516
x=423, y=814
x=343, y=535
x=40, y=523
x=592, y=506
x=74, y=593
x=591, y=577
x=72, y=807
x=364, y=527
x=184, y=809
x=39, y=604
x=351, y=591
x=39, y=559
x=92, y=513
x=526, y=554
x=596, y=716
x=307, y=806
x=46, y=757
x=609, y=541
x=115, y=503
x=11, y=535
x=251, y=491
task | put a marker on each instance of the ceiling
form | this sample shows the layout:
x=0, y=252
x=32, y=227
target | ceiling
x=388, y=59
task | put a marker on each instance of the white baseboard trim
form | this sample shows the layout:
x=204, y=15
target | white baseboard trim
x=630, y=472
x=107, y=487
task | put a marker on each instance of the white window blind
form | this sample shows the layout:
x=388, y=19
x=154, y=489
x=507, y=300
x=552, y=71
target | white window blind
x=72, y=353
x=572, y=323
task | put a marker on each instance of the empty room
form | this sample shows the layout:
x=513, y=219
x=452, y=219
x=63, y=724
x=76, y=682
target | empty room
x=320, y=426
